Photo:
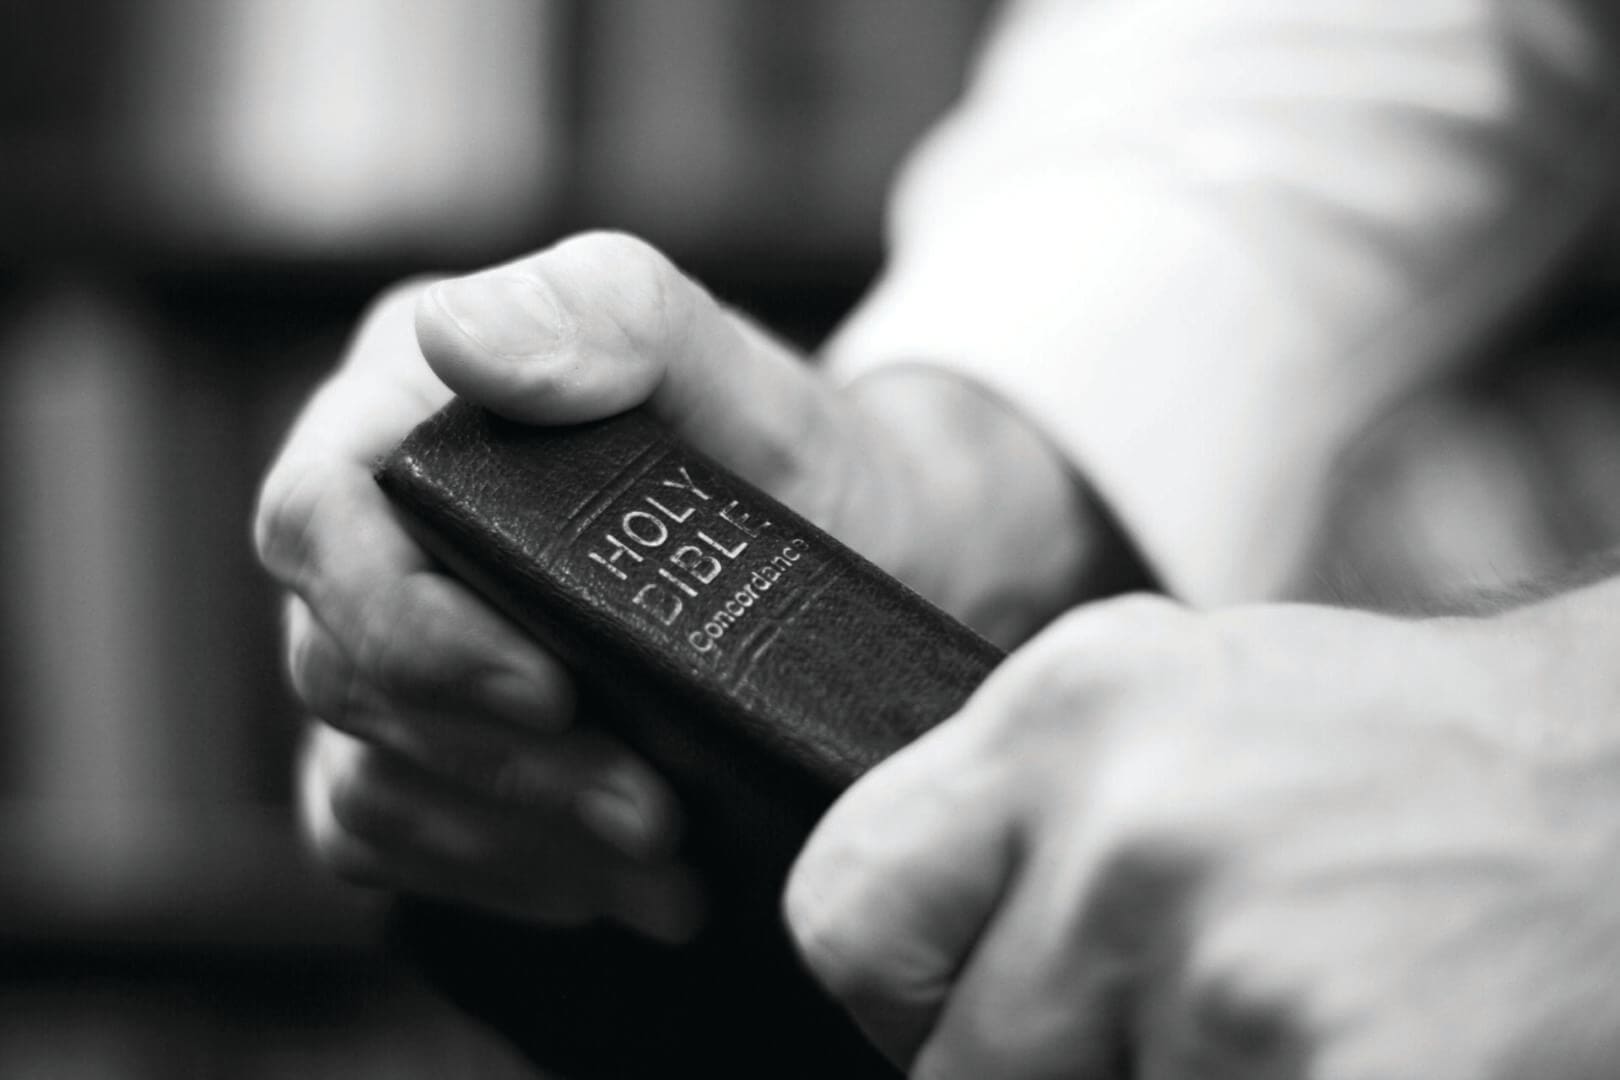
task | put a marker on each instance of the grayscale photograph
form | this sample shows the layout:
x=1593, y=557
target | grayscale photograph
x=810, y=539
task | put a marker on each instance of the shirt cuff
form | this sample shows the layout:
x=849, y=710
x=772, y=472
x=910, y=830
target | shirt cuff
x=1129, y=325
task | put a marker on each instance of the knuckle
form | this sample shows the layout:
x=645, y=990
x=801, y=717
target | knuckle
x=380, y=647
x=1114, y=676
x=1129, y=618
x=833, y=904
x=301, y=479
x=357, y=796
x=1137, y=641
x=322, y=678
x=283, y=519
x=325, y=837
x=395, y=622
x=830, y=948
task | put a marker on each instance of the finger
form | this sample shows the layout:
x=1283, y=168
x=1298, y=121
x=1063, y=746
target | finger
x=324, y=529
x=906, y=872
x=1018, y=1011
x=584, y=768
x=399, y=624
x=430, y=647
x=601, y=323
x=382, y=389
x=376, y=817
x=894, y=886
x=1099, y=916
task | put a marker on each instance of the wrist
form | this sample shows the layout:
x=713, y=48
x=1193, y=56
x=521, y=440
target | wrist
x=984, y=515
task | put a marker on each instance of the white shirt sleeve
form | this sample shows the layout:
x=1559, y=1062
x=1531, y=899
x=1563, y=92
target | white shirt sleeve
x=1202, y=243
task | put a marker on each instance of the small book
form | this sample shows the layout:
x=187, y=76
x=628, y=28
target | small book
x=756, y=662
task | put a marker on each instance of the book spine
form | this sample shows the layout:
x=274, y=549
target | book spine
x=759, y=664
x=644, y=564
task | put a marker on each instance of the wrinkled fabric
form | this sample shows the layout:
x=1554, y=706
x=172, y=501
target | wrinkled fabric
x=1203, y=244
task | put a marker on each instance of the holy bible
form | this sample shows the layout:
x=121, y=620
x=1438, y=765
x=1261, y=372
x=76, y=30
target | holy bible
x=757, y=663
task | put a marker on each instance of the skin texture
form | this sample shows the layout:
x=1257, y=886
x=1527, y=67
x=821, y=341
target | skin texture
x=1271, y=842
x=1274, y=842
x=445, y=756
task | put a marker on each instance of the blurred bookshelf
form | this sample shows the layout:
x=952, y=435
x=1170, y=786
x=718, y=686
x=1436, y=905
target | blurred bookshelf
x=196, y=200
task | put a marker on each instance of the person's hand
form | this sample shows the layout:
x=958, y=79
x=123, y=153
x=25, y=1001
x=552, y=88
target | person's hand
x=1275, y=842
x=446, y=759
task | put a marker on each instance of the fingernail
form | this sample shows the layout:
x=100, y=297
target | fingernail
x=617, y=819
x=510, y=315
x=522, y=699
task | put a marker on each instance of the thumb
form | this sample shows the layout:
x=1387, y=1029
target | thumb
x=603, y=322
x=895, y=886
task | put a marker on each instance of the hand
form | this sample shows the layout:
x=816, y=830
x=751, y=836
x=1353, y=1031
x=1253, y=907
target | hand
x=446, y=759
x=1275, y=842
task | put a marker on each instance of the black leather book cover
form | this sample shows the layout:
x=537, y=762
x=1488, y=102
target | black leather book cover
x=758, y=663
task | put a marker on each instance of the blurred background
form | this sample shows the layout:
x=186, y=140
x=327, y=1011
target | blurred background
x=196, y=199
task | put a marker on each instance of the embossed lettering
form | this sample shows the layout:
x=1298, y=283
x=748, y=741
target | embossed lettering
x=740, y=518
x=733, y=610
x=687, y=486
x=730, y=553
x=677, y=582
x=620, y=549
x=662, y=604
x=667, y=512
x=692, y=559
x=640, y=533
